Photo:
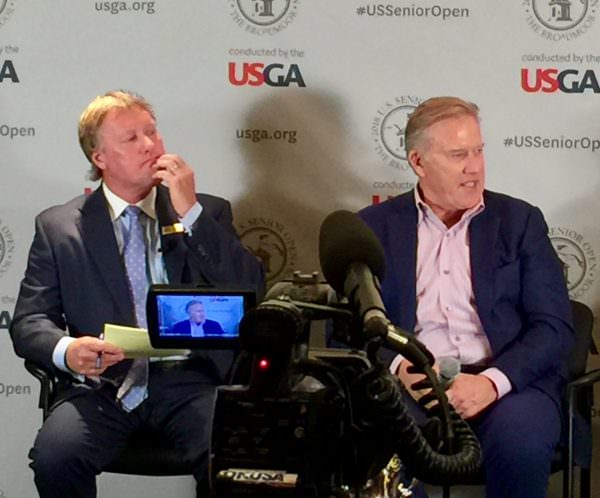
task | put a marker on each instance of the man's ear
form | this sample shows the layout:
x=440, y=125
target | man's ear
x=98, y=159
x=415, y=159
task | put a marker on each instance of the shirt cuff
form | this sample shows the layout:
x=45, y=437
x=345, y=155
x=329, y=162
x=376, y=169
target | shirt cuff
x=500, y=381
x=59, y=353
x=395, y=364
x=191, y=217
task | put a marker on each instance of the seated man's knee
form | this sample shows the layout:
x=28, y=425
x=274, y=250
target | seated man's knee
x=521, y=432
x=52, y=454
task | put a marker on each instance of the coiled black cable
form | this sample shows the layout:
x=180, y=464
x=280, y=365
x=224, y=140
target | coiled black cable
x=379, y=409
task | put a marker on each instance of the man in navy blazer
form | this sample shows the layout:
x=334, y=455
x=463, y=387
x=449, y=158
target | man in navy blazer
x=76, y=281
x=474, y=274
x=197, y=324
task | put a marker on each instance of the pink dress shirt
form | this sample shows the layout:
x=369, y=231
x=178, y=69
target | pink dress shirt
x=447, y=320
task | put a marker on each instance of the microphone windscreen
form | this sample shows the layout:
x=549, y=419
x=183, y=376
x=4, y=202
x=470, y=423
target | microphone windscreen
x=345, y=239
x=449, y=368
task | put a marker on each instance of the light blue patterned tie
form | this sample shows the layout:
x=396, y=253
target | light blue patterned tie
x=134, y=388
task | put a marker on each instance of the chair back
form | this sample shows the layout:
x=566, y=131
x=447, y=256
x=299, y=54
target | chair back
x=583, y=323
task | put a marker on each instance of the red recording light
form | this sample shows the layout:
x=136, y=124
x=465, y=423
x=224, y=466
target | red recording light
x=264, y=364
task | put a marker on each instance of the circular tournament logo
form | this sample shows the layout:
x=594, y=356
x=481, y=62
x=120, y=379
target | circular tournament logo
x=388, y=127
x=560, y=19
x=577, y=259
x=263, y=16
x=6, y=10
x=7, y=248
x=272, y=244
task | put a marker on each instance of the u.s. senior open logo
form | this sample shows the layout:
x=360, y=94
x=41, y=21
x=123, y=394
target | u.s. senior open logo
x=7, y=248
x=263, y=16
x=7, y=8
x=577, y=258
x=273, y=244
x=388, y=127
x=559, y=20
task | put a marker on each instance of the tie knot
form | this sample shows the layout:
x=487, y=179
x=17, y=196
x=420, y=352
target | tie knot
x=133, y=212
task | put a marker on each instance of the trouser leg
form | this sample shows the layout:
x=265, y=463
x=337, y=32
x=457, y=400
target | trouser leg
x=518, y=437
x=79, y=438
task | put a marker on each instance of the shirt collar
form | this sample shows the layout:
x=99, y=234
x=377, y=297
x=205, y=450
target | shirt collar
x=424, y=210
x=117, y=205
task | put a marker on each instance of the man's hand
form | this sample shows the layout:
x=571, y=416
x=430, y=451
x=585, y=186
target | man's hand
x=471, y=394
x=174, y=172
x=408, y=379
x=90, y=356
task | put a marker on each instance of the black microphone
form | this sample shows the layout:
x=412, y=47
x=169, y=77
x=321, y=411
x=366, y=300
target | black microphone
x=352, y=261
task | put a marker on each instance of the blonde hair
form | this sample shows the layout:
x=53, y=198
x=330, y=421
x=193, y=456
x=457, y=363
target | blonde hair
x=432, y=111
x=92, y=117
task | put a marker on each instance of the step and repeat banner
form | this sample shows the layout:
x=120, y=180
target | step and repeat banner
x=292, y=109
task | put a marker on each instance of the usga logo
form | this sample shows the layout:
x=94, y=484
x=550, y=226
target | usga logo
x=559, y=20
x=8, y=72
x=552, y=80
x=387, y=130
x=257, y=74
x=577, y=258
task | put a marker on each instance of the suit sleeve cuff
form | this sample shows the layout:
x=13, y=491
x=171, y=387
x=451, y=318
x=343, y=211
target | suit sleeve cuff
x=500, y=381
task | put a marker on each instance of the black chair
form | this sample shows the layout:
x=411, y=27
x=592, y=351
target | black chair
x=147, y=453
x=575, y=449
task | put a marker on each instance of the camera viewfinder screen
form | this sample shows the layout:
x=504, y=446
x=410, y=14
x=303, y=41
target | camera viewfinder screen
x=193, y=316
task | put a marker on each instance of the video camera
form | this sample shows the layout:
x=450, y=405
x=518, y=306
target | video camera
x=308, y=422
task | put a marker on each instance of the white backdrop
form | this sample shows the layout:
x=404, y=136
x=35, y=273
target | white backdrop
x=292, y=109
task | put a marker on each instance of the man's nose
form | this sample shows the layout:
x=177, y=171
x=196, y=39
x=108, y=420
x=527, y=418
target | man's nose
x=475, y=163
x=147, y=142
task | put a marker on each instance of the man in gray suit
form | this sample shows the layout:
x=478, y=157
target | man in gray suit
x=76, y=281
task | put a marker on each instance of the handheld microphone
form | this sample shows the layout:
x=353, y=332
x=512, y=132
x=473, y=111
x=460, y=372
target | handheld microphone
x=449, y=369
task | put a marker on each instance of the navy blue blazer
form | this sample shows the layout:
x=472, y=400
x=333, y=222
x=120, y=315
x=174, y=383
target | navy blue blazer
x=75, y=281
x=520, y=293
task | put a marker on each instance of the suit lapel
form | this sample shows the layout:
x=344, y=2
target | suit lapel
x=401, y=244
x=483, y=232
x=99, y=239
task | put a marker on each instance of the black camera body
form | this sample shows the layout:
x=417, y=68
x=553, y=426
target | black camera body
x=285, y=431
x=293, y=443
x=275, y=446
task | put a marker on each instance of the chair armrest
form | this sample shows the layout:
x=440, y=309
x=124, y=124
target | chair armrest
x=585, y=380
x=47, y=385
